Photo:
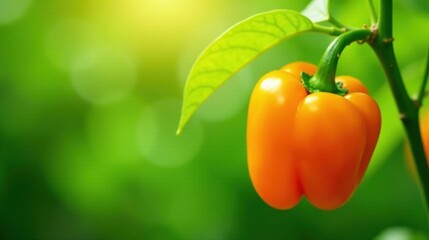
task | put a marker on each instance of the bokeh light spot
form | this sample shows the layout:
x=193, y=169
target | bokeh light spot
x=111, y=131
x=399, y=233
x=67, y=40
x=104, y=76
x=156, y=136
x=12, y=10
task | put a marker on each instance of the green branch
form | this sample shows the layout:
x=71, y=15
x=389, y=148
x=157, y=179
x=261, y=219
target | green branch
x=334, y=31
x=338, y=24
x=422, y=91
x=408, y=110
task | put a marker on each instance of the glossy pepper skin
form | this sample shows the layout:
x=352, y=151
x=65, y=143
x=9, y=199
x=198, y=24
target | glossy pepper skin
x=315, y=145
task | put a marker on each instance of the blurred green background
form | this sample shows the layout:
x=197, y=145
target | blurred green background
x=90, y=94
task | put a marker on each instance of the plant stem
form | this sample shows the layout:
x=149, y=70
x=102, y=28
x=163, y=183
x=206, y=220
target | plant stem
x=408, y=110
x=324, y=79
x=334, y=31
x=338, y=24
x=421, y=95
x=372, y=13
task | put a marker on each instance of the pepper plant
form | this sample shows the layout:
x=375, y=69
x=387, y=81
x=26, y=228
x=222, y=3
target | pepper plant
x=282, y=166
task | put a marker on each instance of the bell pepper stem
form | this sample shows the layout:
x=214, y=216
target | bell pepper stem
x=408, y=110
x=324, y=79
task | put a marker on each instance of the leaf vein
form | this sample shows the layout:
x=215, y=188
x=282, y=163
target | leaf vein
x=231, y=48
x=199, y=73
x=235, y=48
x=291, y=22
x=199, y=87
x=264, y=21
x=254, y=31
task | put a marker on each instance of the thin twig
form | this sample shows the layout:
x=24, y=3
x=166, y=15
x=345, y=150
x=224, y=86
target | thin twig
x=424, y=82
x=372, y=12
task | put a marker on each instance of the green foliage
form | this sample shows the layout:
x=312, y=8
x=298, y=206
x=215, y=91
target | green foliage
x=75, y=168
x=233, y=50
x=317, y=11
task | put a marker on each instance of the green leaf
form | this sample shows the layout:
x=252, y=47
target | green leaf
x=233, y=50
x=317, y=11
